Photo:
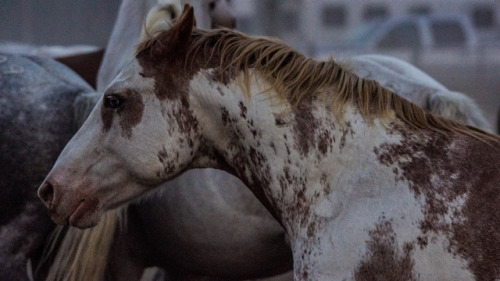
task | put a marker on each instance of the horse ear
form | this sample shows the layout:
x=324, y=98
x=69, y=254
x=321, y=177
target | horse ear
x=176, y=39
x=181, y=31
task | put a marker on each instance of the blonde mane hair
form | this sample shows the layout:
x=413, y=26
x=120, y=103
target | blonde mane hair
x=82, y=255
x=296, y=78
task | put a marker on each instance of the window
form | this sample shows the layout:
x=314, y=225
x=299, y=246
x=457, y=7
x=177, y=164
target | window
x=483, y=16
x=334, y=15
x=420, y=10
x=374, y=12
x=447, y=34
x=403, y=35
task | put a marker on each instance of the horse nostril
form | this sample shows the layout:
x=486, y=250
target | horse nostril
x=46, y=193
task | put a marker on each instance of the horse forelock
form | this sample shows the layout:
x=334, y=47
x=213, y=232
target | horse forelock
x=297, y=78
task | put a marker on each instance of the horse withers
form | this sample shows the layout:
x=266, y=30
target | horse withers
x=367, y=185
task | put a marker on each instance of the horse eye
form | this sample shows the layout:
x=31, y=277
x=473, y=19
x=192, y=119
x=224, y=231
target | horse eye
x=211, y=5
x=112, y=101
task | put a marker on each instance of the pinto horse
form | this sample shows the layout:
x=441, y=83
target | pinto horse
x=219, y=199
x=367, y=185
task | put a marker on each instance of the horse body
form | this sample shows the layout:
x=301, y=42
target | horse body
x=413, y=84
x=36, y=93
x=268, y=244
x=45, y=51
x=84, y=60
x=376, y=190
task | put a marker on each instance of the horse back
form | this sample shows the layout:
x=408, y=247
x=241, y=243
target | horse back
x=86, y=65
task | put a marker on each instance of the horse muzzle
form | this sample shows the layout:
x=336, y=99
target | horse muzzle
x=69, y=207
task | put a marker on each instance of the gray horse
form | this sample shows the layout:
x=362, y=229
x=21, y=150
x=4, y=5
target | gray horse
x=36, y=120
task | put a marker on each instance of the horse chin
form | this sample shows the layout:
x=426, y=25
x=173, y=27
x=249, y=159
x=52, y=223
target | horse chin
x=87, y=214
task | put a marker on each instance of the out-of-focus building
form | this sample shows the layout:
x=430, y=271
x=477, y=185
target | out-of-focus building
x=314, y=27
x=57, y=22
x=306, y=23
x=301, y=23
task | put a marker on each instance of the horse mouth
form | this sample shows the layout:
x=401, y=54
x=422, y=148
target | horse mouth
x=85, y=215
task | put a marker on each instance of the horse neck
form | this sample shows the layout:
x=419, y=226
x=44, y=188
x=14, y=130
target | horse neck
x=124, y=37
x=292, y=159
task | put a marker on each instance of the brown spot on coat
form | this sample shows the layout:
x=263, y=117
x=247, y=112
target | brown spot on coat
x=345, y=131
x=446, y=170
x=325, y=141
x=477, y=236
x=107, y=118
x=129, y=114
x=243, y=109
x=384, y=259
x=224, y=115
x=169, y=163
x=304, y=128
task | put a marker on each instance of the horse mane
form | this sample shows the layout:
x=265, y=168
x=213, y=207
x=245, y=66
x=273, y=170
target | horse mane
x=296, y=78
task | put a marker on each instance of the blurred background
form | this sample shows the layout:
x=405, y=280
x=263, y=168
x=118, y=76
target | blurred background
x=455, y=41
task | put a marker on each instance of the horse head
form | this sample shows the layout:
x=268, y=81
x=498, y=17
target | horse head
x=91, y=174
